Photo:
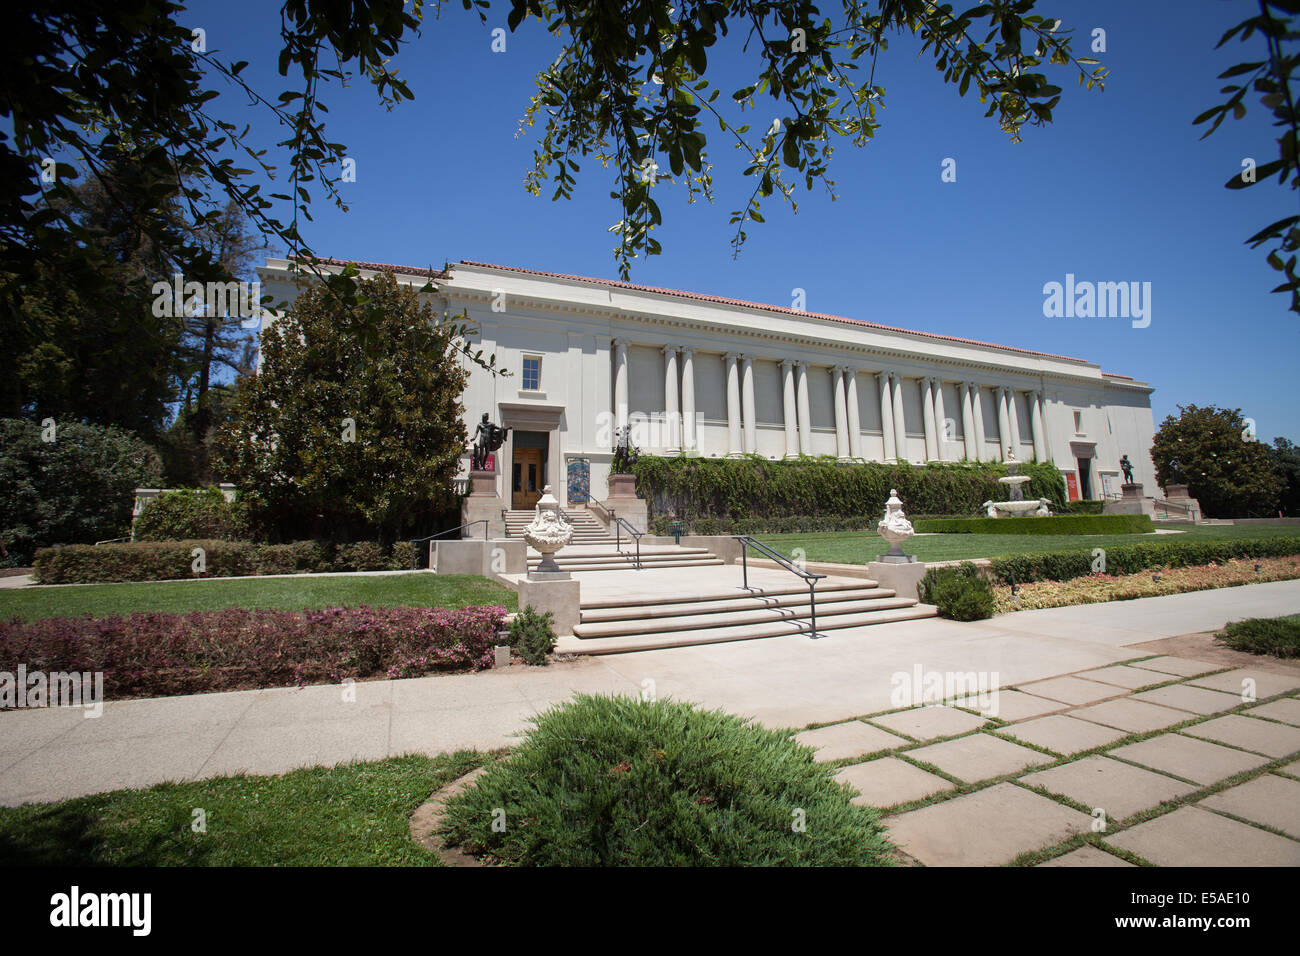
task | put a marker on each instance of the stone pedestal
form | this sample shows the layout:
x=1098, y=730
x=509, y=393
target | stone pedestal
x=560, y=597
x=1131, y=490
x=483, y=508
x=902, y=578
x=625, y=504
x=1175, y=491
x=483, y=484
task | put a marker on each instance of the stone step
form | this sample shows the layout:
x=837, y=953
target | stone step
x=743, y=618
x=794, y=588
x=744, y=632
x=725, y=604
x=630, y=565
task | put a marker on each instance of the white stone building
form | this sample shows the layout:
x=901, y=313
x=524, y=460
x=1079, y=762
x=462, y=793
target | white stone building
x=713, y=377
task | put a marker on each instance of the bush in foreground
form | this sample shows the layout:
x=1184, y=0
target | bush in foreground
x=532, y=635
x=961, y=593
x=152, y=655
x=616, y=781
x=1279, y=636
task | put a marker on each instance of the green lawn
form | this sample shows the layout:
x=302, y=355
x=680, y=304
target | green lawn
x=861, y=547
x=351, y=815
x=420, y=589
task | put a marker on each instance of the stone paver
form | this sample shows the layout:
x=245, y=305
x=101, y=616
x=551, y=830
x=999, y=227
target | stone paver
x=1062, y=734
x=1197, y=700
x=1011, y=705
x=852, y=739
x=1117, y=788
x=1178, y=666
x=1268, y=799
x=1135, y=716
x=1124, y=676
x=1072, y=690
x=986, y=828
x=1267, y=683
x=1192, y=759
x=1261, y=736
x=1286, y=710
x=1293, y=768
x=978, y=757
x=1087, y=856
x=889, y=781
x=1190, y=836
x=927, y=723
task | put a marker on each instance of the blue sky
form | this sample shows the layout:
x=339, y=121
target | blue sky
x=1118, y=188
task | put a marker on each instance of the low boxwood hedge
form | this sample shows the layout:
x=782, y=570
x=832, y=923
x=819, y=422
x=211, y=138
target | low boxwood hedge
x=187, y=514
x=169, y=560
x=1132, y=558
x=1056, y=524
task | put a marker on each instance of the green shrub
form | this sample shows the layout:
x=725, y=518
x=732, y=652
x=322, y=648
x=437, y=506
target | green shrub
x=1056, y=524
x=1279, y=636
x=616, y=781
x=1132, y=558
x=753, y=487
x=962, y=593
x=532, y=635
x=168, y=560
x=186, y=514
x=76, y=489
x=1083, y=507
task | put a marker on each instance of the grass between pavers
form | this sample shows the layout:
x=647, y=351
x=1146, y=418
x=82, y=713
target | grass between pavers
x=348, y=815
x=1279, y=636
x=1034, y=857
x=862, y=547
x=418, y=589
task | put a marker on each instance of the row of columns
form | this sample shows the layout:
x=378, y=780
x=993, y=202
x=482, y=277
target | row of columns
x=742, y=426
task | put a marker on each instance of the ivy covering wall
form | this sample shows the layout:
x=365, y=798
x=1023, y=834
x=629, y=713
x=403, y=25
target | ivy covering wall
x=752, y=487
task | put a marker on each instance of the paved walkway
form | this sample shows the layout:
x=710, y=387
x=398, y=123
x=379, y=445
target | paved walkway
x=787, y=682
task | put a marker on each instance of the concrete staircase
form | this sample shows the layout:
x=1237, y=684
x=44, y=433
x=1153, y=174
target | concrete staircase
x=586, y=529
x=615, y=626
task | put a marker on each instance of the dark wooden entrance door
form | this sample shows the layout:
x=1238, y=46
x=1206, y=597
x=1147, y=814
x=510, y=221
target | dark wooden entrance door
x=526, y=478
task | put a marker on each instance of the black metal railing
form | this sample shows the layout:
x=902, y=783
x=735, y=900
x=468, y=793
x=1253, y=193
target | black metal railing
x=1169, y=507
x=621, y=525
x=415, y=558
x=812, y=577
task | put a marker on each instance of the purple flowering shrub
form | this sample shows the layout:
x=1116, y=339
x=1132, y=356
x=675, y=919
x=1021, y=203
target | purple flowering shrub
x=155, y=654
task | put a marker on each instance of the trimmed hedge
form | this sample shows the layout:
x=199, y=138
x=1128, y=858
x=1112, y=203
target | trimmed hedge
x=1083, y=507
x=188, y=514
x=754, y=487
x=170, y=560
x=962, y=593
x=154, y=654
x=1056, y=524
x=1132, y=558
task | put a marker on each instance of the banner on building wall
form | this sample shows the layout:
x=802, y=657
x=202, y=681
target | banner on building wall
x=1071, y=486
x=579, y=480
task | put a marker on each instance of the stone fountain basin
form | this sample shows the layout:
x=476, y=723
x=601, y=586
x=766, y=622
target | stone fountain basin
x=1015, y=479
x=1016, y=507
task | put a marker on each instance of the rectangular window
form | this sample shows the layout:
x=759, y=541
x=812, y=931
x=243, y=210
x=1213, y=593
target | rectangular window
x=532, y=373
x=1078, y=423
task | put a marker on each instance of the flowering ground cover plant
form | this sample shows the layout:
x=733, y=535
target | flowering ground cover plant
x=1096, y=588
x=155, y=654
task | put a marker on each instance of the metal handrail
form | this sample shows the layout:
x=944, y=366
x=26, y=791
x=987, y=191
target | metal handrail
x=111, y=541
x=812, y=577
x=1168, y=505
x=504, y=512
x=469, y=524
x=619, y=525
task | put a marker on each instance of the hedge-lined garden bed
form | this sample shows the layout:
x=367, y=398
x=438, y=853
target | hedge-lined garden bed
x=1096, y=588
x=1056, y=524
x=169, y=560
x=152, y=655
x=1132, y=558
x=753, y=487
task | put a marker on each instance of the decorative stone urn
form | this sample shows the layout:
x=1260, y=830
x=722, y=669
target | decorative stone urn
x=895, y=528
x=548, y=532
x=1038, y=507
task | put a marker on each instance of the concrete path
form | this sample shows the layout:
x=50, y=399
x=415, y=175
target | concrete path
x=787, y=682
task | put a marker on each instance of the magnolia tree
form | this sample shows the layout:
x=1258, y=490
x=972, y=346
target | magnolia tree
x=1215, y=452
x=352, y=426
